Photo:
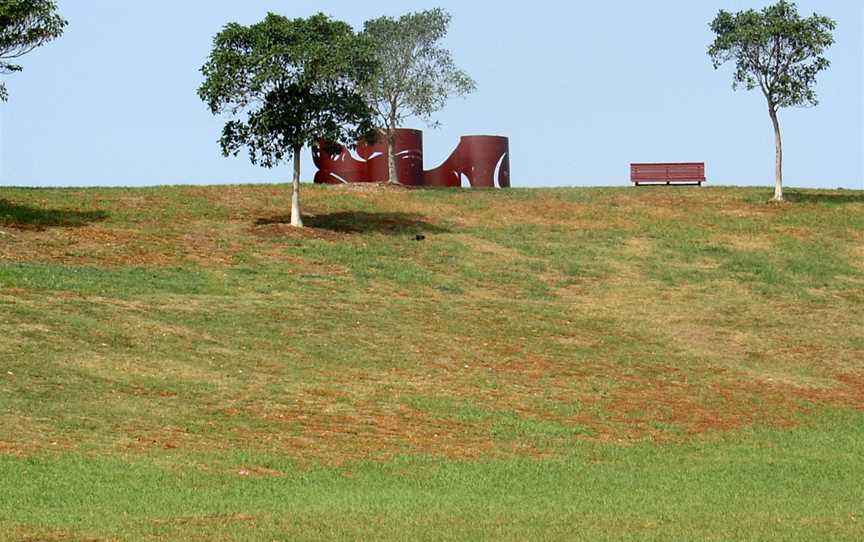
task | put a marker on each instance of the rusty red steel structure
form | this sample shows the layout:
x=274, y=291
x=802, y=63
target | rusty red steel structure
x=482, y=159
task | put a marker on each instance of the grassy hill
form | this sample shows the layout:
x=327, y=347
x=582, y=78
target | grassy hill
x=178, y=363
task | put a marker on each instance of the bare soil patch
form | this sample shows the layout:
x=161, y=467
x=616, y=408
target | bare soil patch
x=280, y=230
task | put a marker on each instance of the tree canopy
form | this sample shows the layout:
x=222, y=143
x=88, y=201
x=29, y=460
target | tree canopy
x=415, y=75
x=776, y=51
x=24, y=26
x=287, y=83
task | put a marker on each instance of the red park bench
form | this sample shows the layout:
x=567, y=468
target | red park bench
x=679, y=173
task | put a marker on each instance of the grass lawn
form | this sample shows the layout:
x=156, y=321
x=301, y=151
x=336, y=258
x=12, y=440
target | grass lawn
x=557, y=364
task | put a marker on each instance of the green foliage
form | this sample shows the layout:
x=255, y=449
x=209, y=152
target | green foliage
x=293, y=82
x=778, y=52
x=415, y=75
x=774, y=50
x=24, y=26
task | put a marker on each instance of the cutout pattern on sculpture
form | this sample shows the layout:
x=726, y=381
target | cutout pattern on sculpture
x=483, y=160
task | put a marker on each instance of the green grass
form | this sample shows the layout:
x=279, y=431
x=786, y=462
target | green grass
x=121, y=283
x=760, y=485
x=600, y=364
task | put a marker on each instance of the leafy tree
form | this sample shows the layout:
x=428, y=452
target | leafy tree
x=415, y=76
x=778, y=52
x=24, y=26
x=291, y=82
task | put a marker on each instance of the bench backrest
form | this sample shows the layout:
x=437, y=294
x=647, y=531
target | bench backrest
x=684, y=171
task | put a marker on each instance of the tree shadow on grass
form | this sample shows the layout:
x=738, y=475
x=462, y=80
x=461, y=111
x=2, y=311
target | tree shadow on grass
x=24, y=217
x=838, y=197
x=363, y=222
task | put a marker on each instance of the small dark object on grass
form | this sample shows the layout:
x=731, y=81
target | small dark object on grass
x=420, y=238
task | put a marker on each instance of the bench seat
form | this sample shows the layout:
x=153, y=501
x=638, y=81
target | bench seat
x=668, y=173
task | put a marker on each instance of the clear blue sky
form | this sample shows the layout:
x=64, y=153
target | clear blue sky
x=581, y=88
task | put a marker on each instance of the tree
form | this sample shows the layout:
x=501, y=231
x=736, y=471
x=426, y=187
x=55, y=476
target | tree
x=291, y=82
x=778, y=52
x=24, y=26
x=415, y=76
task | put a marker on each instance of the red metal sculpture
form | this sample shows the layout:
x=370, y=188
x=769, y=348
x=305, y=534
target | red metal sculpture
x=482, y=160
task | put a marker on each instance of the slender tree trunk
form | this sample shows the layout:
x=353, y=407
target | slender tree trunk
x=778, y=142
x=392, y=173
x=296, y=218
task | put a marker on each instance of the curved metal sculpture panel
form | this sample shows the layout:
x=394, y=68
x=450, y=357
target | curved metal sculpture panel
x=483, y=160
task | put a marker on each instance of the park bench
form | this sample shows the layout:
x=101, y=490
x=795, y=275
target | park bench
x=677, y=173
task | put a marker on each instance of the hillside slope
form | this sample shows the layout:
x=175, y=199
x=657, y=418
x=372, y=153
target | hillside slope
x=180, y=326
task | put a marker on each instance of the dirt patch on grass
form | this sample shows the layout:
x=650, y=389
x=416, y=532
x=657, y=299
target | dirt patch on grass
x=848, y=392
x=102, y=246
x=206, y=522
x=280, y=230
x=732, y=401
x=257, y=472
x=743, y=209
x=142, y=439
x=858, y=257
x=330, y=432
x=488, y=248
x=752, y=243
x=641, y=410
x=200, y=243
x=531, y=368
x=12, y=448
x=637, y=247
x=38, y=535
x=32, y=441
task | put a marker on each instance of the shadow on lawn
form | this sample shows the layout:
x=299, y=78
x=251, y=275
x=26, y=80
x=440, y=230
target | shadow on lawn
x=362, y=222
x=25, y=217
x=839, y=197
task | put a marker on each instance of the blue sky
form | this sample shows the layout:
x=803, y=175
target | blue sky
x=581, y=88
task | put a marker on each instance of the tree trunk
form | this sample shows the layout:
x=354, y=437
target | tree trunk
x=392, y=173
x=778, y=142
x=296, y=218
